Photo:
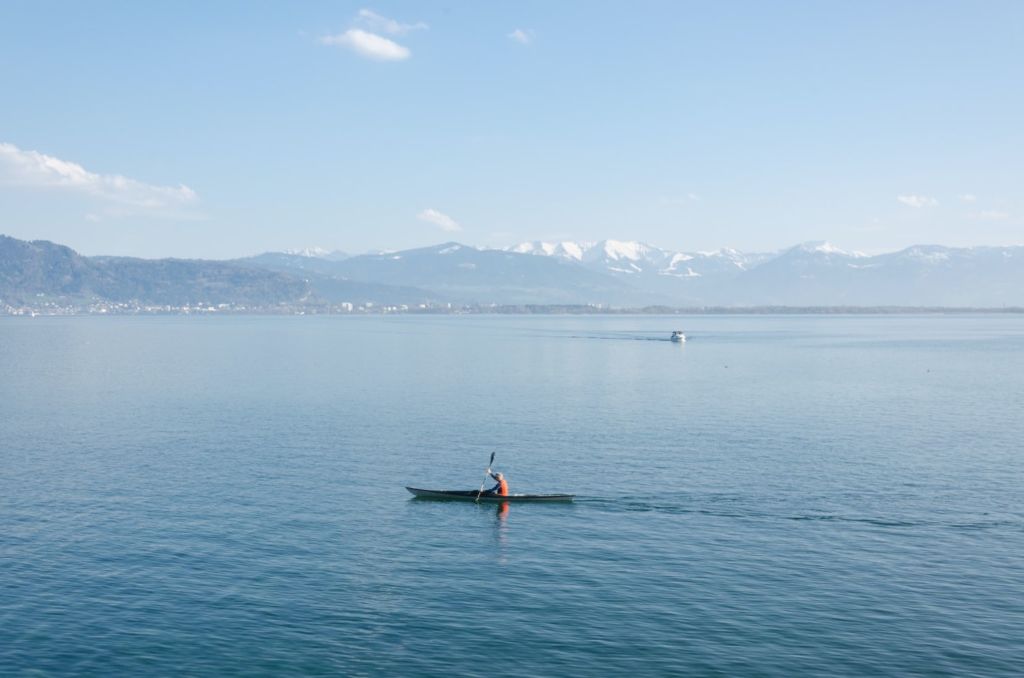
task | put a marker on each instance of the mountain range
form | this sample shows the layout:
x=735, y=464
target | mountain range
x=609, y=273
x=32, y=272
x=809, y=274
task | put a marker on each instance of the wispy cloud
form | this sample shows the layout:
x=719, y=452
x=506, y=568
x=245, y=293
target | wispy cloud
x=917, y=201
x=523, y=37
x=36, y=170
x=967, y=197
x=371, y=45
x=439, y=219
x=377, y=22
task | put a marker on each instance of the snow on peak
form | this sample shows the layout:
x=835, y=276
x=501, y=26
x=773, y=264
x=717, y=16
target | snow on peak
x=930, y=254
x=618, y=249
x=565, y=249
x=571, y=250
x=614, y=250
x=314, y=252
x=688, y=273
x=724, y=252
x=821, y=247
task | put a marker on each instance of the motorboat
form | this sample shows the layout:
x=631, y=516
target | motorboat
x=678, y=337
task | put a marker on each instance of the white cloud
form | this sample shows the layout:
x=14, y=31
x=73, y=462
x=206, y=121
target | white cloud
x=967, y=197
x=381, y=23
x=36, y=170
x=523, y=37
x=917, y=201
x=369, y=45
x=439, y=219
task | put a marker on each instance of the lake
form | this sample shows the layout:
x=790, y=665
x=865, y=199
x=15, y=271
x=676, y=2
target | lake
x=781, y=495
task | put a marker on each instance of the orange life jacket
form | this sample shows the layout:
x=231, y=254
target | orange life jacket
x=503, y=490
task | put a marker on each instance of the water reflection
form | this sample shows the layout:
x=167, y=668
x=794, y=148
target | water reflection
x=501, y=533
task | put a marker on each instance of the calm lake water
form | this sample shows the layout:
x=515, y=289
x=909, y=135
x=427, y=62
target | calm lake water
x=781, y=496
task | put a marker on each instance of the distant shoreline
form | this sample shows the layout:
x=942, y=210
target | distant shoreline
x=758, y=310
x=524, y=309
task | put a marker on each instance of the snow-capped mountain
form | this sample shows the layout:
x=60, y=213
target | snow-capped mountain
x=562, y=250
x=622, y=256
x=660, y=269
x=486, y=276
x=318, y=253
x=631, y=273
x=811, y=273
x=922, y=275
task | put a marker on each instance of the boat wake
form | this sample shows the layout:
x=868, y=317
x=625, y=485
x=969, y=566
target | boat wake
x=741, y=509
x=605, y=337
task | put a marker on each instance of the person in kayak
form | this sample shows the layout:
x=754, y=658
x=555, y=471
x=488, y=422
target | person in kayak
x=501, y=489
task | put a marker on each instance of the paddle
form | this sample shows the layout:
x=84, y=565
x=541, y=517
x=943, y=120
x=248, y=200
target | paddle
x=485, y=478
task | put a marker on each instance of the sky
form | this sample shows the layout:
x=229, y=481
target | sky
x=215, y=130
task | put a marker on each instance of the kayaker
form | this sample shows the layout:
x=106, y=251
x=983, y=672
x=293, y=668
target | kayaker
x=501, y=489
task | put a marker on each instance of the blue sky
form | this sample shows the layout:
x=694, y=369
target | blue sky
x=223, y=129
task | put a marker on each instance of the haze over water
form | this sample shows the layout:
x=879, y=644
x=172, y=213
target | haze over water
x=779, y=496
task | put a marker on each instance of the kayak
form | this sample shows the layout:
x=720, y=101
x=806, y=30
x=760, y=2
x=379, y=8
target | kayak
x=471, y=495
